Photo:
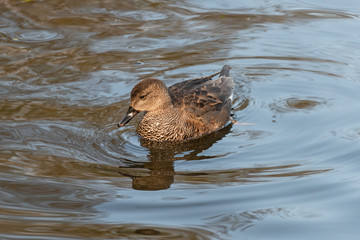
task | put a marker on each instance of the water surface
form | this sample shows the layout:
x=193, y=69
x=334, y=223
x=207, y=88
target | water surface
x=67, y=171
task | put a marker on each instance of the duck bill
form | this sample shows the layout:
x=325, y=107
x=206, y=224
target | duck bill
x=129, y=115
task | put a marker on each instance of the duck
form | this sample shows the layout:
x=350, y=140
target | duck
x=184, y=111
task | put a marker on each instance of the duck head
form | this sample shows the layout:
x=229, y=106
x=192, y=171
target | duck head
x=149, y=95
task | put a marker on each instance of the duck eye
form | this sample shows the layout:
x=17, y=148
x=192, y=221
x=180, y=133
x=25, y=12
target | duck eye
x=142, y=96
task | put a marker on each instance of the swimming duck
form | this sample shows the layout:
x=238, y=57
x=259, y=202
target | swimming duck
x=183, y=111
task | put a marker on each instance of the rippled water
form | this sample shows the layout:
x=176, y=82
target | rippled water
x=67, y=171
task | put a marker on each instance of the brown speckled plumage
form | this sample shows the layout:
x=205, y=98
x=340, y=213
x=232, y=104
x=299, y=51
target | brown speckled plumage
x=185, y=110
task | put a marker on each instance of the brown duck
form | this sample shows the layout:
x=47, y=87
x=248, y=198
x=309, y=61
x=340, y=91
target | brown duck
x=185, y=110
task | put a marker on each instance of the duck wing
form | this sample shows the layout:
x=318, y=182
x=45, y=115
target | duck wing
x=205, y=97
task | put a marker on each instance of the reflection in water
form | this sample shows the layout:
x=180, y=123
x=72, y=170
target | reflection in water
x=161, y=160
x=160, y=170
x=64, y=230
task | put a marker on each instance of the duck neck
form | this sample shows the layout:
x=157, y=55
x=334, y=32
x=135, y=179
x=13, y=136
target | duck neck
x=167, y=112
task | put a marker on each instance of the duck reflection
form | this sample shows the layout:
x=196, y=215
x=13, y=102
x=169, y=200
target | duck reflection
x=160, y=168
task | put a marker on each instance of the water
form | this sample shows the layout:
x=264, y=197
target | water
x=67, y=171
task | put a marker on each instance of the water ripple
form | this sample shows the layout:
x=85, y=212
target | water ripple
x=36, y=36
x=295, y=104
x=63, y=140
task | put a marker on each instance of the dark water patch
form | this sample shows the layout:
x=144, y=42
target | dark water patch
x=104, y=231
x=294, y=104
